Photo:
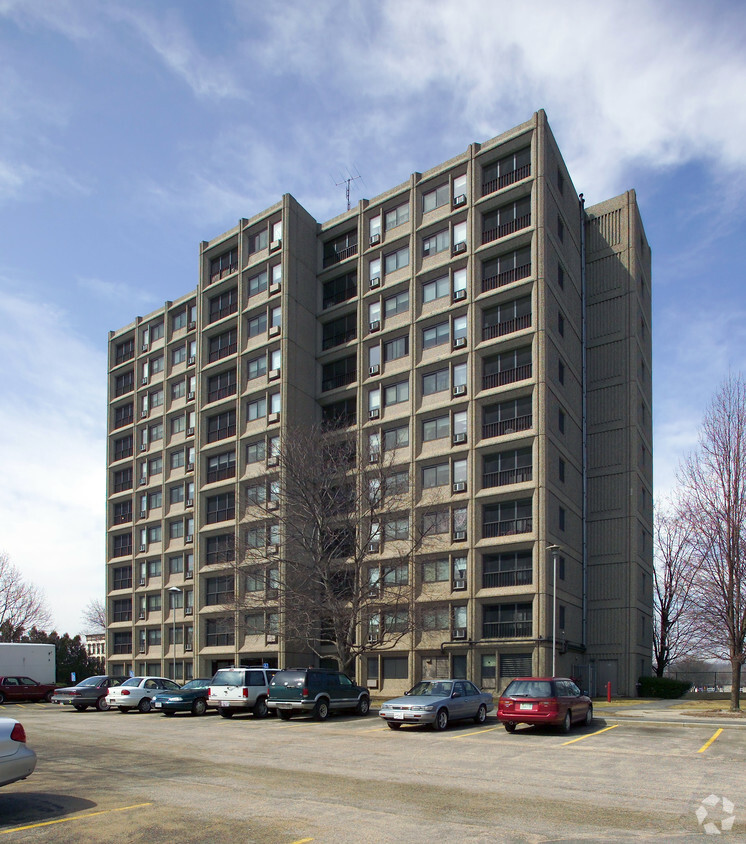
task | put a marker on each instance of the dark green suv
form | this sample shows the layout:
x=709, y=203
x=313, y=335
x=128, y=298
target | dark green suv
x=315, y=690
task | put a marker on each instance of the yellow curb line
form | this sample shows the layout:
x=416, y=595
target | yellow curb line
x=710, y=741
x=78, y=818
x=597, y=733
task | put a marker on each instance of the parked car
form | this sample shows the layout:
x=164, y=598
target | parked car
x=17, y=760
x=191, y=697
x=437, y=702
x=138, y=692
x=555, y=701
x=89, y=692
x=24, y=688
x=240, y=689
x=315, y=690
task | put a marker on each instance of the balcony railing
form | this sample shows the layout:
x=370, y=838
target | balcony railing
x=506, y=179
x=125, y=355
x=125, y=648
x=507, y=426
x=338, y=338
x=507, y=477
x=223, y=352
x=122, y=485
x=223, y=312
x=221, y=474
x=221, y=393
x=495, y=579
x=508, y=277
x=500, y=329
x=216, y=273
x=506, y=629
x=221, y=433
x=338, y=381
x=507, y=376
x=222, y=515
x=124, y=615
x=507, y=527
x=495, y=233
x=341, y=255
x=339, y=297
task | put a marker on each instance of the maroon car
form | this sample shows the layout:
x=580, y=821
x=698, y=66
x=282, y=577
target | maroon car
x=24, y=688
x=554, y=701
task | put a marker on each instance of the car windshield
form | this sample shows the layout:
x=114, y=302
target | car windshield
x=133, y=681
x=434, y=688
x=529, y=688
x=196, y=684
x=91, y=681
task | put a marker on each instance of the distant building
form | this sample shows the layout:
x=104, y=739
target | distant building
x=478, y=321
x=95, y=646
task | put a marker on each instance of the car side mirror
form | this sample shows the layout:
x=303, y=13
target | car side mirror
x=457, y=694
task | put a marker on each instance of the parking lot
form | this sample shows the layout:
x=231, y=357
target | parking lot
x=120, y=778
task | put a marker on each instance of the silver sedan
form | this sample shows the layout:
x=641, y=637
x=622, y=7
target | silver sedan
x=17, y=761
x=437, y=702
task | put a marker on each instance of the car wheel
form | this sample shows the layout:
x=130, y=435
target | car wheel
x=567, y=723
x=260, y=708
x=102, y=704
x=2, y=698
x=481, y=715
x=80, y=707
x=169, y=713
x=48, y=697
x=321, y=710
x=589, y=717
x=123, y=708
x=393, y=725
x=363, y=706
x=145, y=705
x=441, y=719
x=285, y=714
x=199, y=707
x=226, y=713
x=510, y=727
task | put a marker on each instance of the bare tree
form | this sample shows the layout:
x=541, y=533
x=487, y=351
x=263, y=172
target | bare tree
x=326, y=546
x=714, y=483
x=675, y=623
x=94, y=615
x=22, y=605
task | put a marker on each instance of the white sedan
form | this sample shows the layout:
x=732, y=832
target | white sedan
x=138, y=693
x=17, y=761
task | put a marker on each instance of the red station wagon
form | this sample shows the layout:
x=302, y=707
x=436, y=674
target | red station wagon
x=556, y=701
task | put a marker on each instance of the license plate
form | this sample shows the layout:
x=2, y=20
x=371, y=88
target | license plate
x=225, y=703
x=398, y=716
x=158, y=705
x=528, y=706
x=284, y=706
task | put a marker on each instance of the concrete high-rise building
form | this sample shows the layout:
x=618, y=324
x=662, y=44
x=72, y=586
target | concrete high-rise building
x=478, y=320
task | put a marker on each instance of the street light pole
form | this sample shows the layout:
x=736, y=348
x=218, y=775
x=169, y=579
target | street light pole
x=555, y=549
x=173, y=591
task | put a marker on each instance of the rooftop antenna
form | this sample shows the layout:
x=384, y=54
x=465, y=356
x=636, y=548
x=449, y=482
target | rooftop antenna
x=347, y=181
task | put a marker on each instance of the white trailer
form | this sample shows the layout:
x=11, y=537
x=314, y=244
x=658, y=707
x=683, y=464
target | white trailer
x=34, y=661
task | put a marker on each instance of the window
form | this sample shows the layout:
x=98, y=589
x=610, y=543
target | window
x=223, y=265
x=560, y=372
x=436, y=618
x=339, y=290
x=560, y=325
x=221, y=466
x=561, y=518
x=560, y=275
x=395, y=668
x=256, y=537
x=154, y=603
x=220, y=549
x=506, y=171
x=124, y=351
x=156, y=331
x=155, y=465
x=222, y=345
x=221, y=507
x=339, y=331
x=124, y=383
x=435, y=571
x=176, y=458
x=396, y=260
x=178, y=355
x=255, y=624
x=397, y=528
x=395, y=349
x=275, y=317
x=179, y=319
x=438, y=522
x=256, y=452
x=219, y=590
x=178, y=389
x=154, y=568
x=154, y=533
x=437, y=335
x=507, y=467
x=258, y=324
x=396, y=438
x=438, y=288
x=178, y=424
x=122, y=609
x=561, y=471
x=560, y=228
x=122, y=578
x=123, y=415
x=222, y=385
x=123, y=447
x=435, y=429
x=221, y=425
x=506, y=220
x=397, y=575
x=434, y=243
x=514, y=568
x=506, y=318
x=561, y=421
x=398, y=304
x=507, y=621
x=435, y=382
x=219, y=632
x=397, y=216
x=341, y=247
x=507, y=518
x=507, y=368
x=435, y=198
x=396, y=393
x=255, y=580
x=257, y=408
x=506, y=269
x=223, y=305
x=258, y=283
x=338, y=373
x=433, y=476
x=258, y=240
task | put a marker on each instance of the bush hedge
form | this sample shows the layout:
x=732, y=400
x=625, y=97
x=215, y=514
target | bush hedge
x=664, y=687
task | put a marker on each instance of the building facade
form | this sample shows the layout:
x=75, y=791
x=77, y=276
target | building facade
x=476, y=322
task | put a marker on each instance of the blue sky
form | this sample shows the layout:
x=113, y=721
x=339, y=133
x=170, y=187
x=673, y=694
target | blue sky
x=130, y=131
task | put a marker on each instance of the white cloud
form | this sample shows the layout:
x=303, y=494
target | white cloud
x=52, y=452
x=116, y=292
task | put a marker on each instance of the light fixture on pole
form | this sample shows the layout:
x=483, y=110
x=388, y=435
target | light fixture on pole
x=174, y=591
x=555, y=549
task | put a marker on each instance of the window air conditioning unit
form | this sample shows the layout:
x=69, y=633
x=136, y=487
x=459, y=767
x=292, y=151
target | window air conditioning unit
x=189, y=538
x=459, y=438
x=375, y=369
x=188, y=647
x=142, y=616
x=275, y=245
x=459, y=633
x=190, y=396
x=459, y=535
x=375, y=239
x=458, y=248
x=189, y=575
x=191, y=360
x=459, y=390
x=188, y=610
x=372, y=638
x=459, y=486
x=190, y=502
x=273, y=505
x=375, y=325
x=142, y=649
x=374, y=414
x=273, y=461
x=374, y=547
x=274, y=374
x=143, y=547
x=190, y=432
x=190, y=467
x=143, y=481
x=143, y=414
x=273, y=417
x=142, y=581
x=458, y=295
x=274, y=330
x=374, y=457
x=459, y=342
x=143, y=514
x=143, y=447
x=191, y=326
x=374, y=282
x=459, y=585
x=144, y=347
x=459, y=200
x=271, y=638
x=144, y=380
x=275, y=287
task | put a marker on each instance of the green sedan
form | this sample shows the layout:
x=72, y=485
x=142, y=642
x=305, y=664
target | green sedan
x=191, y=697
